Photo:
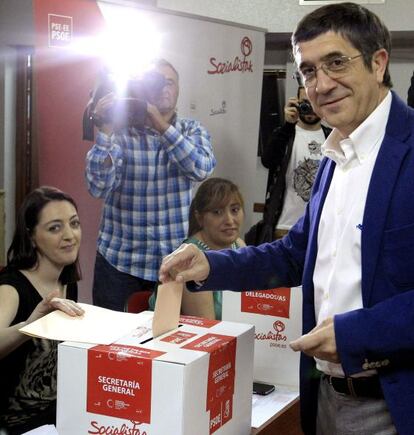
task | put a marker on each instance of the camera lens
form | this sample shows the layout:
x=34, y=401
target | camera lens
x=305, y=108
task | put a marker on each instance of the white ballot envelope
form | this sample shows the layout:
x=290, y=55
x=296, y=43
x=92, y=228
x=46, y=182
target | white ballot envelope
x=167, y=308
x=97, y=325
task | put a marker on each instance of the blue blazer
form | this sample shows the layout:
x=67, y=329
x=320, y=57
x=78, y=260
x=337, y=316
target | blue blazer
x=381, y=334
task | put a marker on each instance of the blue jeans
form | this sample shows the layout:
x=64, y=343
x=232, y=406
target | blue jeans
x=112, y=288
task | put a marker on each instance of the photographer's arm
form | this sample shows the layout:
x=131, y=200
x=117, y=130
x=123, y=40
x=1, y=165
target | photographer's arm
x=104, y=160
x=188, y=146
x=103, y=165
x=188, y=143
x=157, y=120
x=101, y=109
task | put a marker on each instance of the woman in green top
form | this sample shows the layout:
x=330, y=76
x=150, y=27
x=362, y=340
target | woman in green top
x=216, y=216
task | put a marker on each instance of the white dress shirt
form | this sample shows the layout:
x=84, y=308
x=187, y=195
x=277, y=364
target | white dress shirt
x=337, y=275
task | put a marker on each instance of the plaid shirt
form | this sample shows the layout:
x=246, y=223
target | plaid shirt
x=147, y=190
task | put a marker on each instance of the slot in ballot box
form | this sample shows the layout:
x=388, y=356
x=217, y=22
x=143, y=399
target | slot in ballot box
x=196, y=379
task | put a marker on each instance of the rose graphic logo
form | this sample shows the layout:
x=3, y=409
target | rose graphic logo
x=246, y=46
x=278, y=326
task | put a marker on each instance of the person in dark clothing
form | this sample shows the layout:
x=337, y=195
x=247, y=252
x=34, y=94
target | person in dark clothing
x=41, y=276
x=292, y=156
x=410, y=97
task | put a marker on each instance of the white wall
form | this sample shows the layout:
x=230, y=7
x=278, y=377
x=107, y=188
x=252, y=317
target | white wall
x=189, y=43
x=282, y=15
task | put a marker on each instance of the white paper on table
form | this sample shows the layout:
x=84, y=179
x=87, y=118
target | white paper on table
x=267, y=407
x=167, y=308
x=97, y=325
x=47, y=429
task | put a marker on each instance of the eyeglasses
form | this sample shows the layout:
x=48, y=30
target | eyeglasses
x=334, y=68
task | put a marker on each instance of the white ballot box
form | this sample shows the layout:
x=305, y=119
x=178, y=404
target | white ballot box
x=196, y=379
x=277, y=317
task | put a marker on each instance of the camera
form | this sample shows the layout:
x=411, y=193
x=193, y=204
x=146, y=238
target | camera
x=305, y=108
x=130, y=107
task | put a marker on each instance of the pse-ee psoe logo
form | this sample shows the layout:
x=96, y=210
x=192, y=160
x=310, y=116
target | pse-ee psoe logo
x=276, y=338
x=240, y=64
x=60, y=30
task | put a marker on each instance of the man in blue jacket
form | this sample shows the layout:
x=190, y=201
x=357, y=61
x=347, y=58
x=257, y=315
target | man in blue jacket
x=353, y=250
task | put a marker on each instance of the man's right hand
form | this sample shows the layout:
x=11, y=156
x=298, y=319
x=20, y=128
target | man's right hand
x=291, y=110
x=102, y=107
x=187, y=263
x=156, y=119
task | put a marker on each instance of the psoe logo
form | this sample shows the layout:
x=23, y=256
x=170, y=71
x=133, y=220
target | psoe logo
x=215, y=421
x=264, y=307
x=241, y=64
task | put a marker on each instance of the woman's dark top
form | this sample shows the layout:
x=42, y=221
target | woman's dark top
x=28, y=374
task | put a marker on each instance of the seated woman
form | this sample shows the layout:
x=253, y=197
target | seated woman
x=216, y=216
x=41, y=276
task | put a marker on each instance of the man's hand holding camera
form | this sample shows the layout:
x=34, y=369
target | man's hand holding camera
x=142, y=102
x=155, y=119
x=297, y=109
x=292, y=111
x=99, y=114
x=108, y=124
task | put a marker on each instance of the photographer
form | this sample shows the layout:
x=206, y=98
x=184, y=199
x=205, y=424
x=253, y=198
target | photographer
x=145, y=174
x=292, y=156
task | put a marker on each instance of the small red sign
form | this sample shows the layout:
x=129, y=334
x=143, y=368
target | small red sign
x=119, y=381
x=178, y=337
x=198, y=321
x=60, y=30
x=221, y=375
x=274, y=302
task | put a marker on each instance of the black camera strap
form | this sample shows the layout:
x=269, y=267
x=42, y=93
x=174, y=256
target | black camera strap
x=88, y=123
x=273, y=206
x=264, y=230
